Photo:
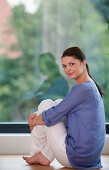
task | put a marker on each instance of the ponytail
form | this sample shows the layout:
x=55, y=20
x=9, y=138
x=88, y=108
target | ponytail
x=99, y=88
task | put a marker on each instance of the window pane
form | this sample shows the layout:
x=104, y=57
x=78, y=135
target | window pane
x=33, y=35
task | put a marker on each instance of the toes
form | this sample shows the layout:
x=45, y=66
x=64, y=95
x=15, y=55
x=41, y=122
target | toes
x=27, y=159
x=24, y=157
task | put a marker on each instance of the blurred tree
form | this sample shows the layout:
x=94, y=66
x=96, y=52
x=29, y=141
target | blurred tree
x=103, y=7
x=55, y=86
x=20, y=75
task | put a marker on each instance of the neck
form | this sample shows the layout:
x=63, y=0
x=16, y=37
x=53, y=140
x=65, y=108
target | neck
x=83, y=78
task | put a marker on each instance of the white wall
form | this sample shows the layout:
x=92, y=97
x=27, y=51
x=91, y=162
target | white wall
x=20, y=144
x=14, y=143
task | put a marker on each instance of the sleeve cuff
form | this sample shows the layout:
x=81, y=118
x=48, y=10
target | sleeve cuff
x=44, y=118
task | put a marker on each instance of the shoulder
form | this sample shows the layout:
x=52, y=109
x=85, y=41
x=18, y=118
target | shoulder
x=87, y=88
x=84, y=86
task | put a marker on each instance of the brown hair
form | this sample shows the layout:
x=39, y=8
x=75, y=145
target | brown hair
x=78, y=54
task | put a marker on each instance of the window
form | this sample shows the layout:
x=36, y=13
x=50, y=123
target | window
x=33, y=36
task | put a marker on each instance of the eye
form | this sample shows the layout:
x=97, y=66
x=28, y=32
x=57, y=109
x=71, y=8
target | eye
x=63, y=66
x=72, y=64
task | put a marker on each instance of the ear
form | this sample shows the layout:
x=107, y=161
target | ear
x=84, y=63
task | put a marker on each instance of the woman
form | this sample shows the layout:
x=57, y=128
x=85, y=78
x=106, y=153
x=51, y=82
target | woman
x=78, y=144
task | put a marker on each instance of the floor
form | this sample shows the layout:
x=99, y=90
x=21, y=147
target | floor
x=15, y=162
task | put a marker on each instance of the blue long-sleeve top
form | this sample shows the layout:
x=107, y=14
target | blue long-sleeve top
x=85, y=119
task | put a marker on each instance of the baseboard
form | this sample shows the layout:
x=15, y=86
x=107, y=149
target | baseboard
x=20, y=144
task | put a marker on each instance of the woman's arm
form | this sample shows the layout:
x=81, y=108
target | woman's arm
x=76, y=97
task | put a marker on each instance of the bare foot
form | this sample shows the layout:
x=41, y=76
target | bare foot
x=38, y=158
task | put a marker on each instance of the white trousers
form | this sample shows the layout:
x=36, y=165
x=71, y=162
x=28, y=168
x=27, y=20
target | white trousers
x=50, y=141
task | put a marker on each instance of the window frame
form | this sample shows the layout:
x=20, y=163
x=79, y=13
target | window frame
x=23, y=127
x=14, y=127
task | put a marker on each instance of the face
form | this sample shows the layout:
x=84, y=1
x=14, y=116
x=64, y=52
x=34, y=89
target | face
x=73, y=67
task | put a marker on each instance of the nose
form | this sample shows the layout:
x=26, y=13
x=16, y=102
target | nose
x=68, y=69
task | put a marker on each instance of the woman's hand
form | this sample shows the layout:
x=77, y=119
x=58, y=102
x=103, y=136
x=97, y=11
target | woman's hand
x=37, y=120
x=30, y=120
x=34, y=120
x=31, y=128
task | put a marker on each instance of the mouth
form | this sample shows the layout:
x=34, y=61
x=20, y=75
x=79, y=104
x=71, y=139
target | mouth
x=69, y=74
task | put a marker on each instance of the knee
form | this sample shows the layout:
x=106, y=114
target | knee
x=45, y=104
x=57, y=101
